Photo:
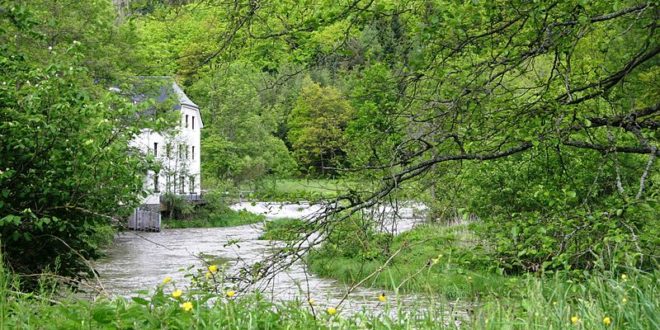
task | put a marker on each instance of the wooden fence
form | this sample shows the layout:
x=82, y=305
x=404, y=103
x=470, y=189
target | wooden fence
x=144, y=220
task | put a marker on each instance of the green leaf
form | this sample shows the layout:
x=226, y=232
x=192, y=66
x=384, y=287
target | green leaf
x=10, y=220
x=140, y=301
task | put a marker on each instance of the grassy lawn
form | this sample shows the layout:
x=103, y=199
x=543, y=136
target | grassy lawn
x=228, y=218
x=302, y=189
x=431, y=259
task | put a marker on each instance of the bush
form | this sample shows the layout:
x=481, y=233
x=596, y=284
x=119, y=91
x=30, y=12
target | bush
x=563, y=211
x=356, y=238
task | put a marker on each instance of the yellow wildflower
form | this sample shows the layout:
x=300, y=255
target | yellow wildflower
x=607, y=320
x=177, y=293
x=331, y=311
x=187, y=306
x=575, y=319
x=213, y=269
x=311, y=301
x=231, y=293
x=382, y=297
x=167, y=280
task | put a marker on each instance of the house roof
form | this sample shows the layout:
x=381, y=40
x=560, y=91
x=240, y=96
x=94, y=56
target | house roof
x=183, y=98
x=160, y=92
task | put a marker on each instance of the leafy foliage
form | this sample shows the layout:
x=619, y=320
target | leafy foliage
x=239, y=142
x=66, y=166
x=317, y=125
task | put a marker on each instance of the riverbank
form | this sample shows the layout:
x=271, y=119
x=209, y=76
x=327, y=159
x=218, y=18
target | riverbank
x=450, y=262
x=173, y=305
x=600, y=302
x=460, y=278
x=283, y=190
x=226, y=218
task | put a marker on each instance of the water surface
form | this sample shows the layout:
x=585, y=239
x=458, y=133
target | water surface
x=139, y=260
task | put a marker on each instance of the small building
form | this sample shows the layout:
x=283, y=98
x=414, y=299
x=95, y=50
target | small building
x=177, y=152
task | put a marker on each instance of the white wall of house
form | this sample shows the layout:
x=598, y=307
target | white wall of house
x=179, y=154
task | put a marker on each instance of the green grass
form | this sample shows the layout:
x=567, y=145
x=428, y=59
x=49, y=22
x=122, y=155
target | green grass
x=283, y=230
x=302, y=189
x=227, y=218
x=432, y=259
x=538, y=303
x=552, y=302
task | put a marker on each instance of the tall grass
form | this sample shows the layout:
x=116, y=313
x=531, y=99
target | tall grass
x=432, y=259
x=228, y=218
x=302, y=189
x=601, y=301
x=629, y=302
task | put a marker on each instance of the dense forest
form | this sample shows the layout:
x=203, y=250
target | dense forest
x=535, y=120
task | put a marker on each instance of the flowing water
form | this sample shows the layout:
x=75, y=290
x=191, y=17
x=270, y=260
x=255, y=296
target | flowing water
x=139, y=260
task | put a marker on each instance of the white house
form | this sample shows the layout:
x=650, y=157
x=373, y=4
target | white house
x=178, y=153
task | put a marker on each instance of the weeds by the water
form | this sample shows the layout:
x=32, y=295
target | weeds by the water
x=301, y=189
x=433, y=260
x=602, y=301
x=227, y=218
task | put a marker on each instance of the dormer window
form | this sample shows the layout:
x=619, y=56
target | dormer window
x=193, y=152
x=186, y=121
x=193, y=122
x=155, y=149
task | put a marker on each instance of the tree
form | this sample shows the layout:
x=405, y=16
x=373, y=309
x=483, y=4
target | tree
x=66, y=168
x=239, y=141
x=317, y=125
x=485, y=90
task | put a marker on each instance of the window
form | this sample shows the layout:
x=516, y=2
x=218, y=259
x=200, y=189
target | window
x=180, y=151
x=192, y=184
x=193, y=152
x=156, y=185
x=155, y=149
x=168, y=150
x=183, y=186
x=186, y=121
x=193, y=122
x=186, y=152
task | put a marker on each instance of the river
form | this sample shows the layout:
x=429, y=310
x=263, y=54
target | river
x=141, y=260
